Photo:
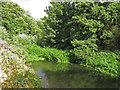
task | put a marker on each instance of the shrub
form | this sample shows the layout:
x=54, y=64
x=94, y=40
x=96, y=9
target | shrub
x=106, y=62
x=88, y=54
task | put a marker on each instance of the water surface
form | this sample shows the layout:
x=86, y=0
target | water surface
x=70, y=76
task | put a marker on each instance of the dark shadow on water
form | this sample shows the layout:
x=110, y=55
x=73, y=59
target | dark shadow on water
x=70, y=76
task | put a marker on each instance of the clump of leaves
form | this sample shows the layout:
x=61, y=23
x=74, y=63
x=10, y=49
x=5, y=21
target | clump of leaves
x=50, y=54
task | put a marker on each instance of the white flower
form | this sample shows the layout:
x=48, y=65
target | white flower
x=22, y=36
x=3, y=77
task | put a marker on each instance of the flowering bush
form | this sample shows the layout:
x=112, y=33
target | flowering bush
x=12, y=61
x=23, y=39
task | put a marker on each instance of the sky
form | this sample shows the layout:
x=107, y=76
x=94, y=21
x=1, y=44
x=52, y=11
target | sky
x=35, y=7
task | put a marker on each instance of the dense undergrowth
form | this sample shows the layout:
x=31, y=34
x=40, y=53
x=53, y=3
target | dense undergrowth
x=106, y=62
x=89, y=39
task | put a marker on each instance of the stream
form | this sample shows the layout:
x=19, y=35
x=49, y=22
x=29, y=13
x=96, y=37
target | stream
x=70, y=76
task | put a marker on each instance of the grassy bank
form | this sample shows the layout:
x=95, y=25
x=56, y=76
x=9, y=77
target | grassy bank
x=105, y=62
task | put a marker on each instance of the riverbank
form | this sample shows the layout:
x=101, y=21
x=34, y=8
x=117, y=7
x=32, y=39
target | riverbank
x=14, y=72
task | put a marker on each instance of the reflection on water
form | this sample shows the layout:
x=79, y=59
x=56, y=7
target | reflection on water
x=41, y=73
x=69, y=76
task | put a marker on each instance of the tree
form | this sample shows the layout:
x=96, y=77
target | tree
x=16, y=20
x=59, y=19
x=83, y=20
x=84, y=27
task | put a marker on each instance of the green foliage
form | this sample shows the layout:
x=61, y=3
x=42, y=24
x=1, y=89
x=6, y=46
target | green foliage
x=58, y=25
x=37, y=53
x=106, y=62
x=84, y=49
x=117, y=52
x=85, y=28
x=47, y=35
x=106, y=35
x=82, y=21
x=18, y=21
x=3, y=33
x=89, y=55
